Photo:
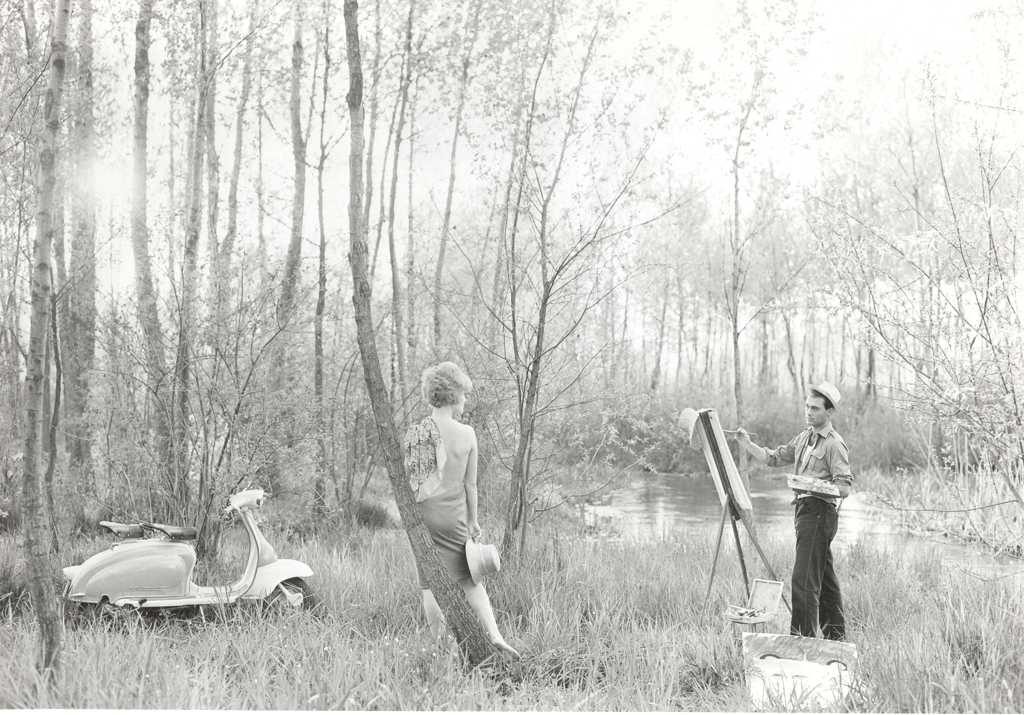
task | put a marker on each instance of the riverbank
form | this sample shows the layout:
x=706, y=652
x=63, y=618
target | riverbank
x=603, y=626
x=975, y=509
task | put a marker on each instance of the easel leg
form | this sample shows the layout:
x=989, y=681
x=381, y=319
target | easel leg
x=743, y=562
x=764, y=559
x=718, y=548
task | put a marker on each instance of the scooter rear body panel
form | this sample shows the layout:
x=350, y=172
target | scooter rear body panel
x=135, y=570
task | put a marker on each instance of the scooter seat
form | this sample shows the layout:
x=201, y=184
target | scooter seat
x=124, y=531
x=184, y=533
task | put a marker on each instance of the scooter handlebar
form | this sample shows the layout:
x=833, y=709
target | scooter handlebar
x=247, y=498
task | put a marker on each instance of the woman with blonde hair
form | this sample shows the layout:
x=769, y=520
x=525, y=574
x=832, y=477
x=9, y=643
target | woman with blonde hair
x=446, y=491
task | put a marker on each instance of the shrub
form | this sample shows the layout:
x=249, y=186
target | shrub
x=13, y=584
x=884, y=438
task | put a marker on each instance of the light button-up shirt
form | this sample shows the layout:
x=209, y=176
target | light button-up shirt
x=819, y=453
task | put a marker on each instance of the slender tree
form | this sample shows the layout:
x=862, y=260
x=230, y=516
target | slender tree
x=411, y=327
x=227, y=246
x=180, y=486
x=374, y=92
x=460, y=107
x=458, y=616
x=146, y=295
x=80, y=327
x=289, y=282
x=212, y=159
x=323, y=466
x=38, y=562
x=396, y=276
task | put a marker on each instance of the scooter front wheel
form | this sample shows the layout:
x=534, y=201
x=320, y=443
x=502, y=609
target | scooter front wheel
x=289, y=596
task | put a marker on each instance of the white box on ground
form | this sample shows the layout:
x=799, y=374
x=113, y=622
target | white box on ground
x=793, y=672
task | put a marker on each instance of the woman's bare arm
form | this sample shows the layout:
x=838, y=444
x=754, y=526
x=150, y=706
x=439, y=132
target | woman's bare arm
x=470, y=484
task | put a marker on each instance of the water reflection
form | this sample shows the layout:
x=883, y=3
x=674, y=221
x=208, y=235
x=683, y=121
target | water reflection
x=649, y=506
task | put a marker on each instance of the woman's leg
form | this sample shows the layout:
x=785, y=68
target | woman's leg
x=435, y=618
x=481, y=605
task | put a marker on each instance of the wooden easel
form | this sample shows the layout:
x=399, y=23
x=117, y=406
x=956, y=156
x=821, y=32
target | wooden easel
x=731, y=510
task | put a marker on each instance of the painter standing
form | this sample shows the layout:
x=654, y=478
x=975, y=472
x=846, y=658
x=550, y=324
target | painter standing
x=817, y=452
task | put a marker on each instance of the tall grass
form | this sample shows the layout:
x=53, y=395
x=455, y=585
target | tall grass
x=603, y=625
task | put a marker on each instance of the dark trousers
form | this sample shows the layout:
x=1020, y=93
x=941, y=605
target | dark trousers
x=816, y=597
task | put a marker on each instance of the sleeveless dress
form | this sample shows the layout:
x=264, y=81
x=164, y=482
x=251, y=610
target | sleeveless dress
x=444, y=511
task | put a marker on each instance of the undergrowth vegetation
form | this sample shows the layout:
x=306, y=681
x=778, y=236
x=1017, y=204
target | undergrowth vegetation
x=645, y=429
x=602, y=624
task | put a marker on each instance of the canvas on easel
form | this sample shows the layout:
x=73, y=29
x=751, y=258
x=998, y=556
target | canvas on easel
x=707, y=435
x=705, y=432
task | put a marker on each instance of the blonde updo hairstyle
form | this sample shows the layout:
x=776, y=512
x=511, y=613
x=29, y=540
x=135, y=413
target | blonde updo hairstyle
x=442, y=384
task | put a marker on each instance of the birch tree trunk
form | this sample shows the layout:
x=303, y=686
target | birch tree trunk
x=261, y=236
x=377, y=34
x=498, y=281
x=319, y=483
x=529, y=357
x=180, y=486
x=396, y=276
x=737, y=367
x=680, y=330
x=221, y=263
x=383, y=182
x=170, y=228
x=526, y=384
x=146, y=297
x=212, y=167
x=467, y=59
x=708, y=342
x=764, y=368
x=80, y=329
x=410, y=245
x=791, y=355
x=291, y=266
x=458, y=616
x=656, y=370
x=41, y=585
x=146, y=293
x=739, y=261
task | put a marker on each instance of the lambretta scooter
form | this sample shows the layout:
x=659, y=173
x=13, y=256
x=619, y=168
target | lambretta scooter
x=151, y=567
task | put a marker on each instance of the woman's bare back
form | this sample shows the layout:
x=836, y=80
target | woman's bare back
x=459, y=440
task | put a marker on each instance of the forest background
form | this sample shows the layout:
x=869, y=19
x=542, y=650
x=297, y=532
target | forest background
x=606, y=213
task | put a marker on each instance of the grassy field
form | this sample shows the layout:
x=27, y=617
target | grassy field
x=603, y=625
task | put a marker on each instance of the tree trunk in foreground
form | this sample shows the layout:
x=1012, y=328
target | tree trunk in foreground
x=460, y=619
x=38, y=562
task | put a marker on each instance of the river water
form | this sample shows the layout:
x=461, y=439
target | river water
x=646, y=506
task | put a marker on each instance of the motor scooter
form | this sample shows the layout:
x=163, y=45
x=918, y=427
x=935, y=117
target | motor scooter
x=151, y=568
